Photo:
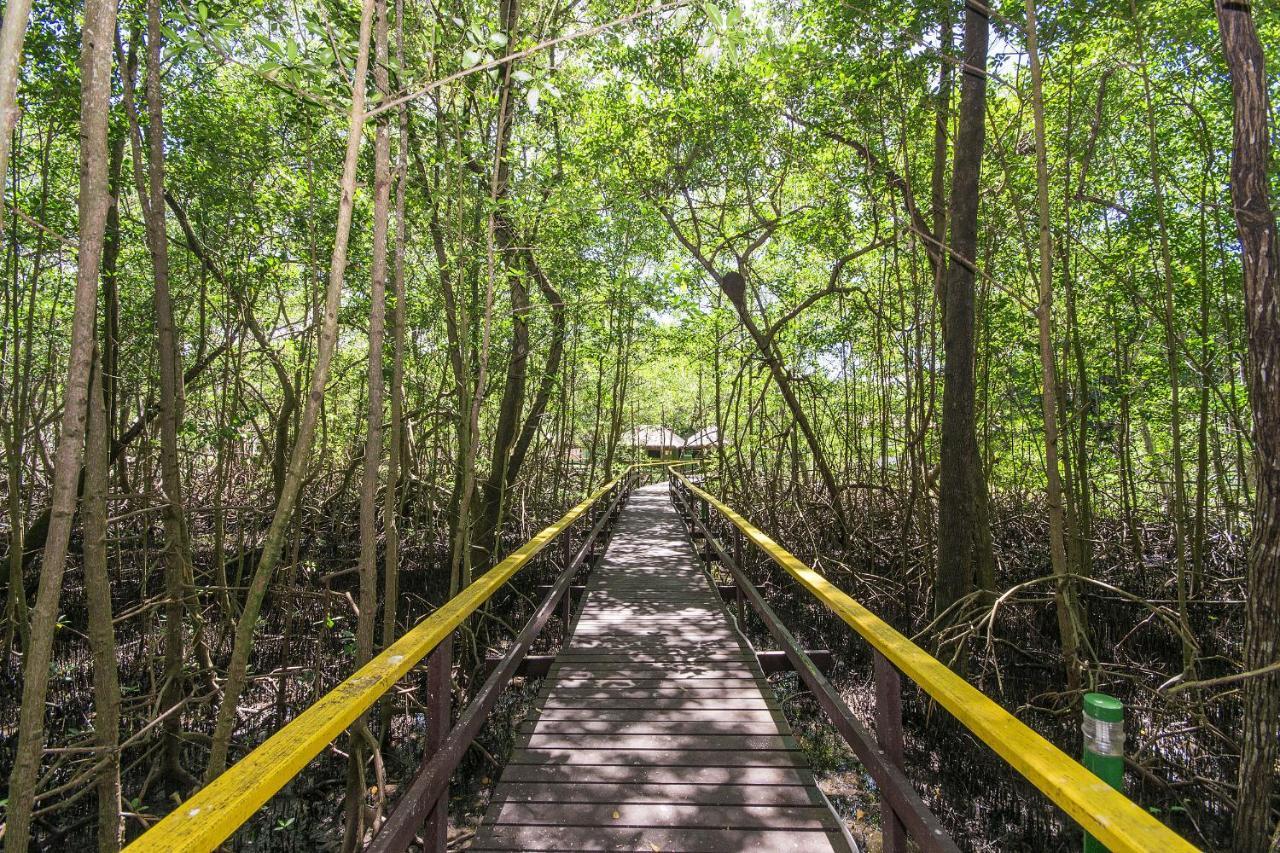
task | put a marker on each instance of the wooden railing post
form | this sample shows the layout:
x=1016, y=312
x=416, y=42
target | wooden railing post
x=740, y=595
x=566, y=555
x=592, y=517
x=566, y=612
x=439, y=701
x=889, y=734
x=566, y=542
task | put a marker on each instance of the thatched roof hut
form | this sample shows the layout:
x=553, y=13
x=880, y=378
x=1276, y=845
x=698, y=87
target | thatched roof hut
x=704, y=439
x=655, y=440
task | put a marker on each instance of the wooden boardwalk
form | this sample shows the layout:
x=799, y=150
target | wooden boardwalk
x=655, y=729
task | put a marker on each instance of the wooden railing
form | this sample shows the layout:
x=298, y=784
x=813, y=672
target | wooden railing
x=1103, y=812
x=216, y=811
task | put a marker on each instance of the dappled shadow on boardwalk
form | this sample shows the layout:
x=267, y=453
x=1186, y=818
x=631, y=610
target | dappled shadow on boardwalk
x=655, y=729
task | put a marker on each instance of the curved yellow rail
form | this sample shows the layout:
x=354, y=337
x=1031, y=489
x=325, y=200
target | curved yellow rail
x=1108, y=815
x=215, y=811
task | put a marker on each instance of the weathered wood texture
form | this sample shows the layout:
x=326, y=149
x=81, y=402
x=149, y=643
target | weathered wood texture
x=655, y=729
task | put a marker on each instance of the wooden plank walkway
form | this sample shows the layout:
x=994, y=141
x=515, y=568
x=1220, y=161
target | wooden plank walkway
x=655, y=729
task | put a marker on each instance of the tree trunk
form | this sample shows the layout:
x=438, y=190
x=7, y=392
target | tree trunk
x=23, y=358
x=550, y=368
x=734, y=286
x=1199, y=523
x=625, y=324
x=963, y=526
x=1256, y=223
x=493, y=492
x=1066, y=591
x=96, y=40
x=177, y=545
x=102, y=638
x=395, y=461
x=938, y=177
x=366, y=620
x=111, y=295
x=12, y=35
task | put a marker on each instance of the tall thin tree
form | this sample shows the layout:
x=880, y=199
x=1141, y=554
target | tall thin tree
x=1067, y=599
x=963, y=532
x=97, y=37
x=13, y=32
x=102, y=639
x=1260, y=253
x=366, y=620
x=177, y=543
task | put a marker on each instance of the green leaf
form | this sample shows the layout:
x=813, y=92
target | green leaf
x=532, y=97
x=470, y=57
x=713, y=14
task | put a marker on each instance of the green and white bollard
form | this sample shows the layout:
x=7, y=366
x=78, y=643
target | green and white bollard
x=1103, y=729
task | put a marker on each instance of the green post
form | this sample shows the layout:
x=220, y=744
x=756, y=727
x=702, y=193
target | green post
x=1103, y=729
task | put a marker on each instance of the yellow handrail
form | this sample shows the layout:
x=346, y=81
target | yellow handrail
x=218, y=809
x=1105, y=813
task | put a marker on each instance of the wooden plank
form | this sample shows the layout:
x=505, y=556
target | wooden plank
x=623, y=774
x=673, y=642
x=736, y=743
x=629, y=670
x=673, y=657
x=697, y=616
x=667, y=840
x=656, y=683
x=662, y=626
x=634, y=714
x=688, y=794
x=677, y=648
x=632, y=622
x=663, y=758
x=642, y=588
x=682, y=692
x=650, y=727
x=663, y=815
x=601, y=662
x=664, y=703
